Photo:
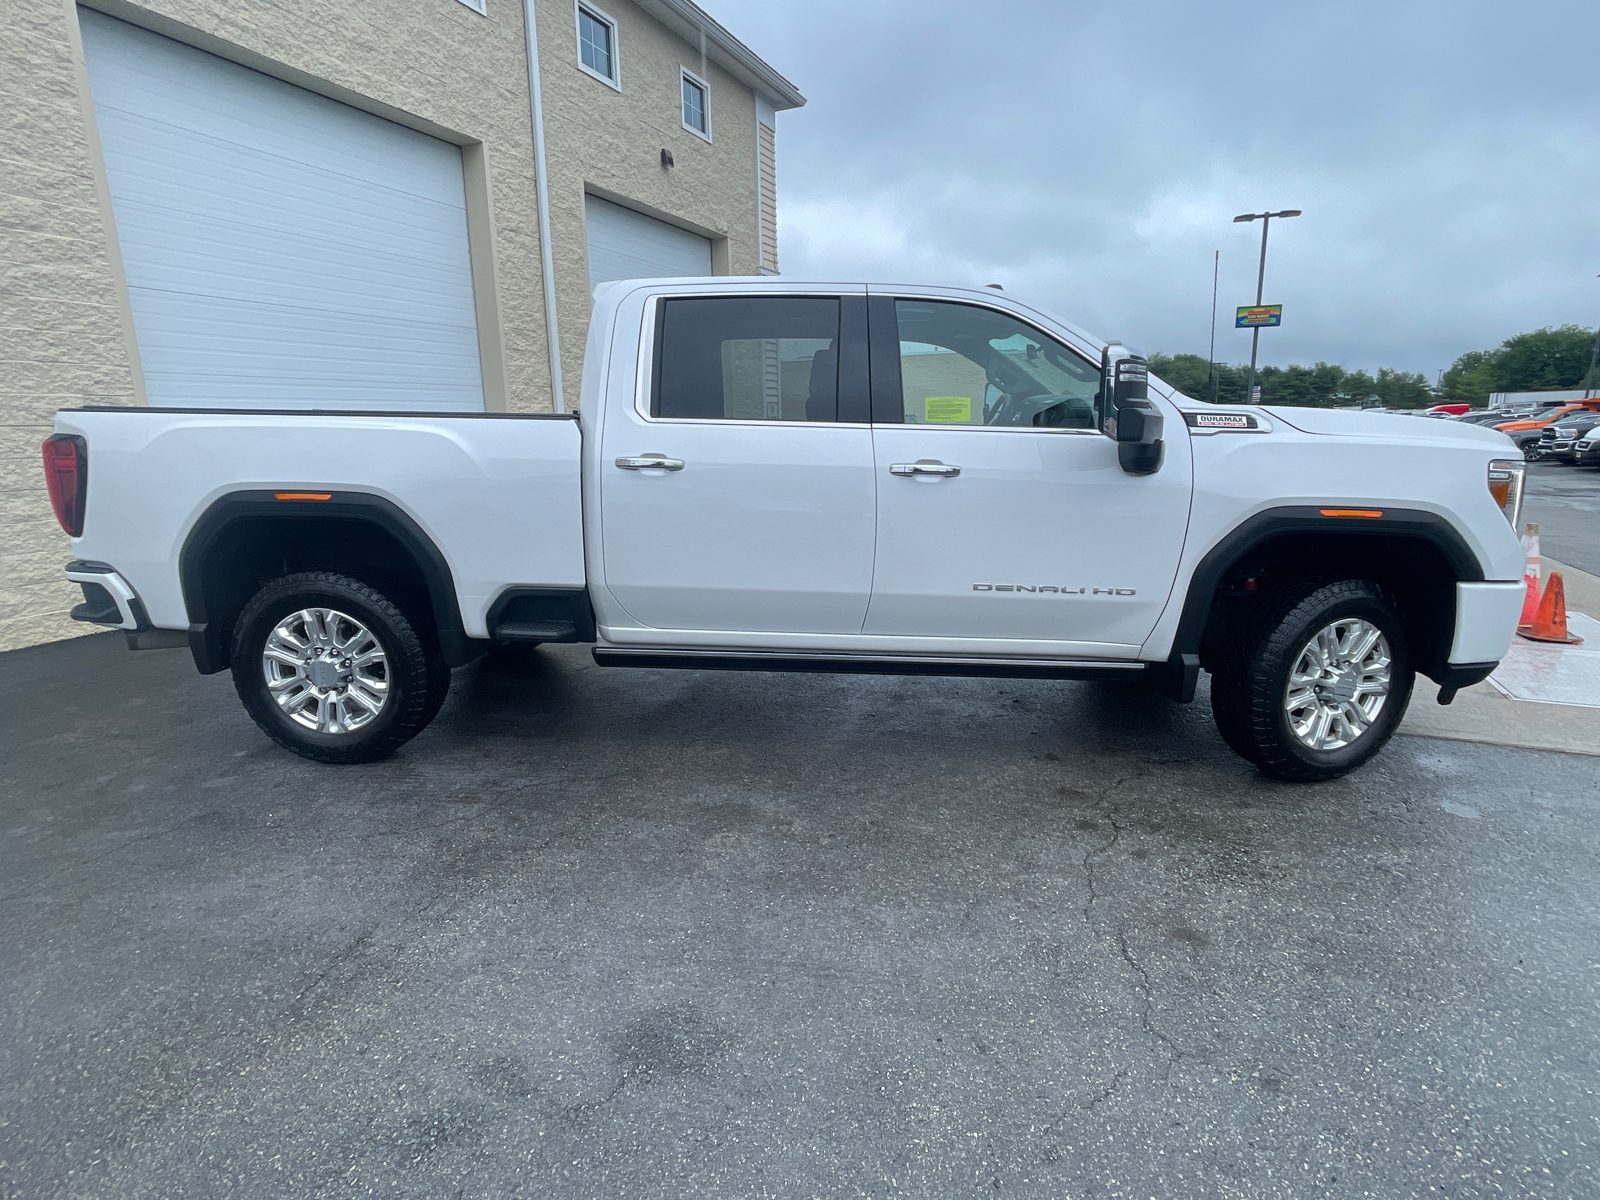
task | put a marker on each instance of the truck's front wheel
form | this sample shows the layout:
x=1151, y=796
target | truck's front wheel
x=332, y=670
x=1316, y=684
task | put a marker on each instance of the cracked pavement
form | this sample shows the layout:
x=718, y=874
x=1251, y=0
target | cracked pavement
x=604, y=933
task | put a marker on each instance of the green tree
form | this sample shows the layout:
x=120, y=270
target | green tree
x=1325, y=385
x=1404, y=389
x=1549, y=359
x=1470, y=378
x=1192, y=376
x=1186, y=372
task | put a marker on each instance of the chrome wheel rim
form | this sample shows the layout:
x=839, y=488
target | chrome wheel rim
x=1339, y=684
x=327, y=671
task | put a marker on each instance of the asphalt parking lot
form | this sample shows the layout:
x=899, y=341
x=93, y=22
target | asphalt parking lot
x=604, y=933
x=1565, y=501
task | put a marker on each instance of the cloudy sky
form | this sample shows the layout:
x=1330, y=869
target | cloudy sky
x=1091, y=155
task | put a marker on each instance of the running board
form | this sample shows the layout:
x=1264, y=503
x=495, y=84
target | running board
x=860, y=664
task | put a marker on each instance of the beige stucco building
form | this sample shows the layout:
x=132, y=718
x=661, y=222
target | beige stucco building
x=280, y=203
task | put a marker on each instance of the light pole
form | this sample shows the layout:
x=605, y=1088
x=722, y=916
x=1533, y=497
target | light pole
x=1593, y=355
x=1261, y=279
x=1211, y=354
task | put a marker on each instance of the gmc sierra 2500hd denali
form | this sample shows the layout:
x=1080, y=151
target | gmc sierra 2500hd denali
x=770, y=475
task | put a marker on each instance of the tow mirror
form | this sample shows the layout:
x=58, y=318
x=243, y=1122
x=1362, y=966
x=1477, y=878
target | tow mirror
x=1127, y=416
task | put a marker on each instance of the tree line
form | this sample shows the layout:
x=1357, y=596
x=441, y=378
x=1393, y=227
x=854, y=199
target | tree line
x=1324, y=385
x=1543, y=360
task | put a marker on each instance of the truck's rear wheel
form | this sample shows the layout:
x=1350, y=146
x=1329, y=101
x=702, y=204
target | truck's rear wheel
x=331, y=669
x=1317, y=683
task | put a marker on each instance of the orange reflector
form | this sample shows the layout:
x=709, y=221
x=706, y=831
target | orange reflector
x=1351, y=512
x=302, y=495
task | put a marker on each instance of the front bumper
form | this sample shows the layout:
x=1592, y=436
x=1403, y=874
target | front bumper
x=1486, y=621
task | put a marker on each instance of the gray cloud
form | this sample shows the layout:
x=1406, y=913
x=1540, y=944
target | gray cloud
x=1091, y=157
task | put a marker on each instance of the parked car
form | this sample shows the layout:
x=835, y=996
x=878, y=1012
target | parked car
x=1448, y=410
x=770, y=475
x=1557, y=441
x=1545, y=416
x=1586, y=450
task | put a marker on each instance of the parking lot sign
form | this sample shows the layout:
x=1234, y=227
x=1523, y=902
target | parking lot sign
x=1258, y=316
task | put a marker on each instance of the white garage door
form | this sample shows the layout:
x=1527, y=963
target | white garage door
x=624, y=244
x=282, y=250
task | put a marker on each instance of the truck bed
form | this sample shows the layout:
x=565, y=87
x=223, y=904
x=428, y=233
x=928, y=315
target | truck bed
x=499, y=494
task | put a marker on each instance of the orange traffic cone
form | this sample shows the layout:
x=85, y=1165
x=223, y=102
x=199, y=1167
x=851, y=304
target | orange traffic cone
x=1530, y=602
x=1550, y=622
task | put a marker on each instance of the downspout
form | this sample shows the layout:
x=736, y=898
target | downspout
x=542, y=181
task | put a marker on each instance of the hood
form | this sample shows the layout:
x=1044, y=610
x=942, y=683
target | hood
x=1389, y=427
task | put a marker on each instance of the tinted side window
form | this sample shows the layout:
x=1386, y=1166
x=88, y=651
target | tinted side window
x=965, y=365
x=747, y=358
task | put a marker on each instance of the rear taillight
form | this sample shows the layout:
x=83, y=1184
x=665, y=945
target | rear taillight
x=66, y=474
x=1505, y=485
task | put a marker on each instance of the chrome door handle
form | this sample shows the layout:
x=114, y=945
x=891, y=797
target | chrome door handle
x=907, y=470
x=650, y=462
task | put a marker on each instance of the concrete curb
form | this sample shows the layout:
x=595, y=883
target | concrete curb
x=1481, y=714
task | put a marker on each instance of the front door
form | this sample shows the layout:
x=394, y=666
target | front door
x=759, y=516
x=1002, y=512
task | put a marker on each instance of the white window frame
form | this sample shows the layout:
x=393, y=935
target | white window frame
x=705, y=91
x=599, y=14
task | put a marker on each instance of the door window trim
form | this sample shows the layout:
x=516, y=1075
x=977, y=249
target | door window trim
x=888, y=396
x=644, y=376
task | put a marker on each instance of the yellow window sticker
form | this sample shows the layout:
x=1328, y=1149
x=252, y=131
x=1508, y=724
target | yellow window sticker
x=948, y=409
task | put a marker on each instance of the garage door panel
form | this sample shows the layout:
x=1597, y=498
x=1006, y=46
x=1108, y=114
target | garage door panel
x=237, y=262
x=372, y=215
x=624, y=244
x=280, y=248
x=201, y=95
x=274, y=357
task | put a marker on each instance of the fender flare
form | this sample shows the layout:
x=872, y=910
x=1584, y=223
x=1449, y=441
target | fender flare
x=1183, y=665
x=207, y=640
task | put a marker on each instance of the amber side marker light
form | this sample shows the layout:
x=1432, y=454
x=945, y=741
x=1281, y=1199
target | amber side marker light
x=302, y=495
x=1351, y=512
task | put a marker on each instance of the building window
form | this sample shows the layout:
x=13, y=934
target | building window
x=597, y=44
x=696, y=105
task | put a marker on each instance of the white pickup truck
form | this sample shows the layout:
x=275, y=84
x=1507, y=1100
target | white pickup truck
x=778, y=476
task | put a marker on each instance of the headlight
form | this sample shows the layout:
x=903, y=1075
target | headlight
x=1505, y=485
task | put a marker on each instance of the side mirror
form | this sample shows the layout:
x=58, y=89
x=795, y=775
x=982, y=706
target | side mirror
x=1128, y=417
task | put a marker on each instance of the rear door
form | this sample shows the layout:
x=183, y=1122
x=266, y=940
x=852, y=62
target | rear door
x=759, y=518
x=1003, y=514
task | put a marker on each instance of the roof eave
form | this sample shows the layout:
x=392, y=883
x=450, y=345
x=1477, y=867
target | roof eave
x=688, y=20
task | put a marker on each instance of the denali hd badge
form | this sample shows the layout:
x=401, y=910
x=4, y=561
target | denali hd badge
x=1060, y=591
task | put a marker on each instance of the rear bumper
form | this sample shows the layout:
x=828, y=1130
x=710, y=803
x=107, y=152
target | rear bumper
x=110, y=602
x=108, y=598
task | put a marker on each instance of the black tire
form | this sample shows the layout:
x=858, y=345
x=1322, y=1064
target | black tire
x=417, y=680
x=1251, y=681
